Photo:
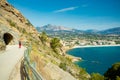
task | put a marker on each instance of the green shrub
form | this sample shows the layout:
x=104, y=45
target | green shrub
x=55, y=43
x=82, y=71
x=13, y=24
x=63, y=66
x=117, y=78
x=117, y=42
x=113, y=72
x=43, y=37
x=96, y=76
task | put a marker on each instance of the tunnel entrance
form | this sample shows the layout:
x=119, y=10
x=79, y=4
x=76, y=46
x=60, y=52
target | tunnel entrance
x=7, y=38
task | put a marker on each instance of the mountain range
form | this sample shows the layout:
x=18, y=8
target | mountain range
x=51, y=29
x=115, y=30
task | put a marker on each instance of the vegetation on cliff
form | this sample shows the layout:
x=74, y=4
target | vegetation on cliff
x=46, y=52
x=113, y=73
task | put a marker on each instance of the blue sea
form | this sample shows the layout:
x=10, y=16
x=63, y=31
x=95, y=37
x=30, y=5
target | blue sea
x=96, y=59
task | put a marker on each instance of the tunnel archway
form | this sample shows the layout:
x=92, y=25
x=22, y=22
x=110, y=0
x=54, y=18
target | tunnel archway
x=7, y=38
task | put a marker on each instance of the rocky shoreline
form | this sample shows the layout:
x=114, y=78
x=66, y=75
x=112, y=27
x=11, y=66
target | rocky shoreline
x=73, y=58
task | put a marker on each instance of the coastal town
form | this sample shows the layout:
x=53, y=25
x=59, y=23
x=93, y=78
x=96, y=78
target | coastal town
x=72, y=42
x=77, y=42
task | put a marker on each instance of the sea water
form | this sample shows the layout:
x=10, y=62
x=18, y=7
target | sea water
x=96, y=59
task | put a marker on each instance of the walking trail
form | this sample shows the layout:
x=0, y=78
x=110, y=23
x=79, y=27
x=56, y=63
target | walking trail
x=8, y=59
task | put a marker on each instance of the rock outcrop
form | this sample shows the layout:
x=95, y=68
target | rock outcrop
x=14, y=26
x=12, y=22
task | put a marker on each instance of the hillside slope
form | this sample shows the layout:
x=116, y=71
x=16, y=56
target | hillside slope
x=14, y=27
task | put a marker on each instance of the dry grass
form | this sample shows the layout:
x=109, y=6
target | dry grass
x=38, y=57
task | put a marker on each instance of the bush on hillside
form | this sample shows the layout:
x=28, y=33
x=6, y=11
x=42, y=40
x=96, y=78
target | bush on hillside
x=113, y=73
x=63, y=66
x=96, y=76
x=55, y=43
x=43, y=37
x=13, y=24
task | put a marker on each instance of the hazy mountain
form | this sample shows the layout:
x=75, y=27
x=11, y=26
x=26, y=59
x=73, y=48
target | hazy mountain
x=115, y=30
x=91, y=31
x=52, y=29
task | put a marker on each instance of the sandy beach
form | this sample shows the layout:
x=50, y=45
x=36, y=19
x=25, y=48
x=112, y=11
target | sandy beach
x=94, y=46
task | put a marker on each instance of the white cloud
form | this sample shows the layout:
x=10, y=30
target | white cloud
x=65, y=9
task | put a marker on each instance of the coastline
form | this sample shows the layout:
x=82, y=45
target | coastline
x=94, y=46
x=75, y=59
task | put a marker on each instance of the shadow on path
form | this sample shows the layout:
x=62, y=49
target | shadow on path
x=24, y=75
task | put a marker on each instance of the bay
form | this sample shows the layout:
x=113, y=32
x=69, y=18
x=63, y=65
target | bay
x=96, y=59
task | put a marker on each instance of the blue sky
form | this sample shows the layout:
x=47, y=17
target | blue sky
x=79, y=14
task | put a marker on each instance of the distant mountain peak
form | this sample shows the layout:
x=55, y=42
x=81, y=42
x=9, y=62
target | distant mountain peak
x=50, y=27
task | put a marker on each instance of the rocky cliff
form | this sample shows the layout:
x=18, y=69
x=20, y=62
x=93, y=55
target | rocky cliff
x=13, y=23
x=14, y=27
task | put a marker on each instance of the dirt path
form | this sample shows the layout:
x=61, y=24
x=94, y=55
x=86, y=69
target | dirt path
x=8, y=60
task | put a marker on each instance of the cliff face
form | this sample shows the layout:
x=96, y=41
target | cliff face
x=14, y=26
x=14, y=23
